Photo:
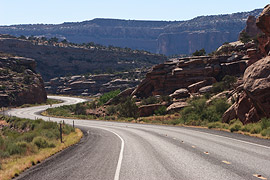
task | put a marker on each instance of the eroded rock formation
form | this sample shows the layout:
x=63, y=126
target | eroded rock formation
x=19, y=82
x=254, y=94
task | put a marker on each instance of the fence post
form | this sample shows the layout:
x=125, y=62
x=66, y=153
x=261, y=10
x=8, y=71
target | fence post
x=73, y=123
x=61, y=133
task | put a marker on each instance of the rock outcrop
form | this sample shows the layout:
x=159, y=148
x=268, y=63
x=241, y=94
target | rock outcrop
x=91, y=85
x=19, y=82
x=263, y=22
x=192, y=73
x=254, y=94
x=251, y=29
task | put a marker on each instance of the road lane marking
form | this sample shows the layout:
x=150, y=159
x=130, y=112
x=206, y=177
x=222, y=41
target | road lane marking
x=226, y=162
x=234, y=139
x=120, y=159
x=259, y=176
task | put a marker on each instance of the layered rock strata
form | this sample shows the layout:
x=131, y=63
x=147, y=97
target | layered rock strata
x=19, y=82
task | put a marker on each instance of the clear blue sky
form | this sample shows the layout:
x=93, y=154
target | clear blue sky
x=59, y=11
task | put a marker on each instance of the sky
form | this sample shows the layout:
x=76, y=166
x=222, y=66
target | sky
x=59, y=11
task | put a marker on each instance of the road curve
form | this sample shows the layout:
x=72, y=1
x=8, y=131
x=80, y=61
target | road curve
x=126, y=151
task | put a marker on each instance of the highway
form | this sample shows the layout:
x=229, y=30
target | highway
x=130, y=151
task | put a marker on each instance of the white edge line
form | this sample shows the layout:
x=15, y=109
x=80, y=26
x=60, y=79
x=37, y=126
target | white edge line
x=120, y=159
x=235, y=139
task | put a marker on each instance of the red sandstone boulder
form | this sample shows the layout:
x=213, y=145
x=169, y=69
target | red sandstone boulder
x=263, y=22
x=180, y=93
x=254, y=101
x=176, y=106
x=257, y=85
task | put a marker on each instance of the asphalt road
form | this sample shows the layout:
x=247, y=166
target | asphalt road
x=126, y=151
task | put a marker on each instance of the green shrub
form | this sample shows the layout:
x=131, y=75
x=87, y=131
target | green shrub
x=128, y=108
x=201, y=52
x=1, y=141
x=111, y=110
x=236, y=126
x=13, y=148
x=107, y=96
x=161, y=110
x=80, y=108
x=40, y=142
x=51, y=134
x=150, y=100
x=266, y=132
x=4, y=154
x=265, y=123
x=68, y=129
x=256, y=129
x=247, y=127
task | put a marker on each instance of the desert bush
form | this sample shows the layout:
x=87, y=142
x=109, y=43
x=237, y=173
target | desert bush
x=128, y=108
x=201, y=52
x=4, y=154
x=265, y=123
x=225, y=84
x=107, y=96
x=236, y=125
x=161, y=110
x=40, y=142
x=150, y=100
x=256, y=129
x=266, y=132
x=111, y=110
x=12, y=148
x=80, y=108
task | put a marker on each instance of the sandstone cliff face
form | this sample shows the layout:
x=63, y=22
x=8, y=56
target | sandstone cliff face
x=192, y=73
x=251, y=29
x=54, y=61
x=165, y=37
x=253, y=102
x=19, y=83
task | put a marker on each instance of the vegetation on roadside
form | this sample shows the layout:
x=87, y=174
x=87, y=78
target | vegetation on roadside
x=48, y=102
x=25, y=142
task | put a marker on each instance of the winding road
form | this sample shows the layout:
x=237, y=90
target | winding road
x=128, y=151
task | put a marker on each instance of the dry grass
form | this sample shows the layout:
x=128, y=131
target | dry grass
x=13, y=166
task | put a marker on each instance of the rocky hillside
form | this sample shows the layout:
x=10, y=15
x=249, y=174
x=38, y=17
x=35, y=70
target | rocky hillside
x=60, y=59
x=19, y=82
x=91, y=85
x=253, y=102
x=165, y=37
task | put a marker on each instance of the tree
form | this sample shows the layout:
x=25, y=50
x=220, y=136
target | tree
x=201, y=52
x=22, y=37
x=244, y=37
x=64, y=41
x=129, y=108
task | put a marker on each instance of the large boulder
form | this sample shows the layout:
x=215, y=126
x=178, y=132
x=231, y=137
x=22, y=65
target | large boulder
x=257, y=85
x=176, y=106
x=263, y=22
x=180, y=93
x=254, y=100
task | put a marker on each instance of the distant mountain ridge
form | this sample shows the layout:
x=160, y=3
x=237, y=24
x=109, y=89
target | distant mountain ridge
x=165, y=37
